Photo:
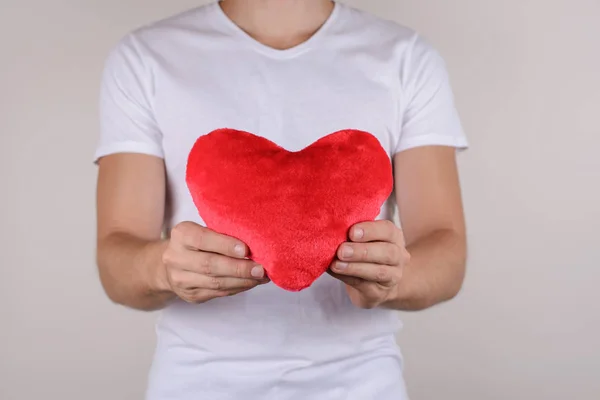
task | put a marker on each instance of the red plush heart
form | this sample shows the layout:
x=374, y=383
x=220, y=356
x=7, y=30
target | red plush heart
x=292, y=209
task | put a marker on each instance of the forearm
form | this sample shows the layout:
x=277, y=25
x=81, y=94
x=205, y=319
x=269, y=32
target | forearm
x=435, y=272
x=132, y=273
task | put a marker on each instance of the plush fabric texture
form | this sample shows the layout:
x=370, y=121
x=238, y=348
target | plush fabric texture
x=292, y=209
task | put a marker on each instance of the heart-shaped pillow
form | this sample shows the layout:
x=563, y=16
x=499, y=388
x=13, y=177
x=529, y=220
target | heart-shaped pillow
x=292, y=209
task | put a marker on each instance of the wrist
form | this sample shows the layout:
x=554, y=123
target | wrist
x=395, y=299
x=158, y=281
x=410, y=294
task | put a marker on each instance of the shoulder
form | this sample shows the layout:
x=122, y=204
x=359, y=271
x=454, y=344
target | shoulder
x=160, y=37
x=192, y=22
x=371, y=24
x=373, y=29
x=386, y=37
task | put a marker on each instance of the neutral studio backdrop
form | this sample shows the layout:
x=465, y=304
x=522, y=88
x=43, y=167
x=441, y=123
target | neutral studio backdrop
x=526, y=74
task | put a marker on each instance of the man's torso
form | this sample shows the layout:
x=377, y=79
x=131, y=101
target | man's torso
x=203, y=74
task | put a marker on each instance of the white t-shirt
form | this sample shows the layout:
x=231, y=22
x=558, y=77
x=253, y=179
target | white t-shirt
x=170, y=82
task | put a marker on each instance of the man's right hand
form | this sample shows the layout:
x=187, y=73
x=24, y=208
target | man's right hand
x=138, y=269
x=201, y=265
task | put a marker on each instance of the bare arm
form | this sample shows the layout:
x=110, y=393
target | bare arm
x=424, y=265
x=130, y=210
x=430, y=206
x=140, y=270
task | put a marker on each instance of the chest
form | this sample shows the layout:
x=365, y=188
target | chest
x=291, y=102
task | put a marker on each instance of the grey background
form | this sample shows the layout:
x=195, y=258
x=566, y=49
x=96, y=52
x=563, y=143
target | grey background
x=526, y=74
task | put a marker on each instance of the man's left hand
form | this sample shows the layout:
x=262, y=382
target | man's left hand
x=371, y=263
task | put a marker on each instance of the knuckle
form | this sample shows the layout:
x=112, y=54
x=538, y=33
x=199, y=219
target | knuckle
x=198, y=237
x=189, y=233
x=395, y=233
x=406, y=257
x=364, y=252
x=215, y=284
x=176, y=279
x=389, y=225
x=391, y=282
x=176, y=232
x=180, y=230
x=199, y=296
x=188, y=296
x=206, y=263
x=239, y=269
x=168, y=257
x=382, y=274
x=199, y=299
x=387, y=257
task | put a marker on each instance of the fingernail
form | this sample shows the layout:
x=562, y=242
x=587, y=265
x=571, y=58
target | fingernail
x=240, y=250
x=258, y=272
x=341, y=265
x=347, y=251
x=359, y=233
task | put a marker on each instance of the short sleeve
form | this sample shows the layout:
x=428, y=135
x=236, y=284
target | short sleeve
x=127, y=122
x=428, y=115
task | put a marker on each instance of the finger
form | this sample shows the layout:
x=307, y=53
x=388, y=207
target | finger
x=212, y=264
x=231, y=284
x=382, y=274
x=198, y=296
x=369, y=293
x=196, y=237
x=348, y=280
x=377, y=252
x=375, y=231
x=187, y=280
